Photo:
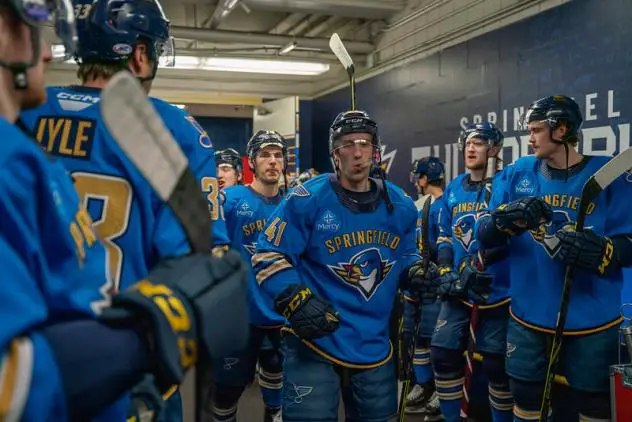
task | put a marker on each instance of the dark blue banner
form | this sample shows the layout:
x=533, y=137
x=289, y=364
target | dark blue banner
x=581, y=49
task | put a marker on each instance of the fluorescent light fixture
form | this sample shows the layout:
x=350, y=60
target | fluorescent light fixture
x=230, y=64
x=230, y=4
x=180, y=106
x=289, y=47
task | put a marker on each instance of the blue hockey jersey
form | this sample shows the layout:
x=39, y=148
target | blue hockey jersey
x=352, y=260
x=53, y=268
x=137, y=228
x=246, y=212
x=536, y=276
x=463, y=200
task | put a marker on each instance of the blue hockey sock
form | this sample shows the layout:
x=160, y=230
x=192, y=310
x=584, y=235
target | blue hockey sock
x=422, y=366
x=501, y=401
x=271, y=388
x=450, y=393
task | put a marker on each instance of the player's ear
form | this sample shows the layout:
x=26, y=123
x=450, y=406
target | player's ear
x=139, y=59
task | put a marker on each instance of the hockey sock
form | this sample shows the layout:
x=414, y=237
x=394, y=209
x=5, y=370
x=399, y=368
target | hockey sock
x=501, y=402
x=271, y=388
x=225, y=402
x=422, y=366
x=450, y=393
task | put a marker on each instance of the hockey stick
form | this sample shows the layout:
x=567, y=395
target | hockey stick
x=425, y=256
x=338, y=48
x=490, y=171
x=593, y=187
x=140, y=132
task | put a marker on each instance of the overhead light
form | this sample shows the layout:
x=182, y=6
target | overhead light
x=230, y=4
x=180, y=106
x=287, y=48
x=230, y=64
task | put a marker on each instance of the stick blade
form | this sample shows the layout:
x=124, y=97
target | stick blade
x=613, y=169
x=140, y=132
x=338, y=48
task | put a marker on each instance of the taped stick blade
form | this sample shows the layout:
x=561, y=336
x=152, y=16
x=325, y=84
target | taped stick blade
x=338, y=48
x=140, y=132
x=614, y=168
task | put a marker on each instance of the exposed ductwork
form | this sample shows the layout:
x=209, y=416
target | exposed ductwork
x=363, y=9
x=262, y=39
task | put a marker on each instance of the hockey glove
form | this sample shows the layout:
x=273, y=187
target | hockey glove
x=310, y=316
x=521, y=215
x=145, y=401
x=585, y=249
x=185, y=307
x=468, y=283
x=424, y=285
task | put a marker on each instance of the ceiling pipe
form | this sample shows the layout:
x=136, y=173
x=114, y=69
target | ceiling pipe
x=364, y=9
x=263, y=39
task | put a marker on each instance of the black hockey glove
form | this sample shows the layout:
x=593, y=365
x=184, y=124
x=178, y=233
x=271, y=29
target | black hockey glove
x=186, y=307
x=424, y=285
x=310, y=316
x=145, y=400
x=468, y=283
x=521, y=215
x=585, y=249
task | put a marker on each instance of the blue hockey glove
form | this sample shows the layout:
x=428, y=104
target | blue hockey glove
x=586, y=250
x=446, y=279
x=521, y=215
x=424, y=285
x=186, y=307
x=310, y=316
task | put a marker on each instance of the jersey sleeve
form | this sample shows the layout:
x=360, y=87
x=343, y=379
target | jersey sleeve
x=487, y=236
x=199, y=150
x=444, y=223
x=31, y=388
x=169, y=238
x=410, y=249
x=280, y=245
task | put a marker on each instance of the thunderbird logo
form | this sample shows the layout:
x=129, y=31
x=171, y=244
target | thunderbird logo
x=387, y=158
x=463, y=230
x=365, y=271
x=250, y=247
x=545, y=234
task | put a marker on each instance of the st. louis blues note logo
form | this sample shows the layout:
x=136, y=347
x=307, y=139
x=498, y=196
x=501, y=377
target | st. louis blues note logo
x=463, y=230
x=250, y=247
x=365, y=271
x=299, y=191
x=545, y=234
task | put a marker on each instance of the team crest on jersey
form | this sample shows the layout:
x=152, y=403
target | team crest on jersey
x=463, y=230
x=525, y=186
x=299, y=191
x=545, y=234
x=328, y=222
x=365, y=271
x=244, y=210
x=250, y=247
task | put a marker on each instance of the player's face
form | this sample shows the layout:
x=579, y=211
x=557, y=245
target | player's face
x=354, y=153
x=475, y=154
x=540, y=139
x=269, y=164
x=17, y=47
x=227, y=176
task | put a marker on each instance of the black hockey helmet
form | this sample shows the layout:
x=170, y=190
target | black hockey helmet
x=554, y=110
x=431, y=167
x=265, y=138
x=354, y=121
x=485, y=131
x=229, y=157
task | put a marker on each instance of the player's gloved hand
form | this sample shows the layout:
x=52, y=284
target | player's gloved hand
x=424, y=285
x=585, y=249
x=310, y=316
x=146, y=403
x=185, y=307
x=468, y=284
x=521, y=215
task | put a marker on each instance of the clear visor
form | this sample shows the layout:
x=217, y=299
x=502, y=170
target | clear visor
x=473, y=136
x=166, y=52
x=60, y=14
x=338, y=144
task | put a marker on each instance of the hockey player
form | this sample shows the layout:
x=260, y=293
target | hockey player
x=463, y=199
x=428, y=176
x=332, y=256
x=59, y=362
x=229, y=168
x=533, y=210
x=136, y=228
x=246, y=209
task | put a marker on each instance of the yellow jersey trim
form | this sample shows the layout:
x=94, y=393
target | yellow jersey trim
x=582, y=332
x=498, y=304
x=338, y=361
